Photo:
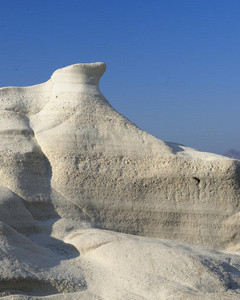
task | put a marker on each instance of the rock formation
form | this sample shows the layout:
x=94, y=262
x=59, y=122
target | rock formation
x=78, y=178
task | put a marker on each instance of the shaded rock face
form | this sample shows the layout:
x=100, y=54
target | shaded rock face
x=71, y=166
x=73, y=141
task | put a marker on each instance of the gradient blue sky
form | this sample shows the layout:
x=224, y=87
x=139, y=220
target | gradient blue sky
x=173, y=66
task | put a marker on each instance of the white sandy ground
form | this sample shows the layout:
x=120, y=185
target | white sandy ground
x=92, y=207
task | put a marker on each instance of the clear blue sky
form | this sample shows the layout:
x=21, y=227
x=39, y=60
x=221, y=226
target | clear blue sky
x=173, y=66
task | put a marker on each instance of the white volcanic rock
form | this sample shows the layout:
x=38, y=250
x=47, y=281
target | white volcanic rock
x=14, y=213
x=124, y=178
x=113, y=265
x=69, y=163
x=23, y=167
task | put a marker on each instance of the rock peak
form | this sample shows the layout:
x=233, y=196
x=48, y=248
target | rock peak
x=85, y=73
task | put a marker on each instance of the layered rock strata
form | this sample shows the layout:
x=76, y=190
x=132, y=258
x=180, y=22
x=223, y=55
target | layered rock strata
x=70, y=163
x=123, y=178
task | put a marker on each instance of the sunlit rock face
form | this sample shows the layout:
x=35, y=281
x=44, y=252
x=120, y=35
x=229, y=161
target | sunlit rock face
x=70, y=139
x=124, y=178
x=69, y=162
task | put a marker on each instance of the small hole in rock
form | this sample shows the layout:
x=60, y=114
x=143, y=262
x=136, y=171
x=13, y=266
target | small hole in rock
x=198, y=180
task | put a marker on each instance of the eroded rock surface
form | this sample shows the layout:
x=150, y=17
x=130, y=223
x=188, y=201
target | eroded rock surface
x=71, y=166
